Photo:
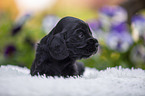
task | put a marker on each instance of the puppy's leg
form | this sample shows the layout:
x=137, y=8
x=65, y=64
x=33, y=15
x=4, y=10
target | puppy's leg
x=80, y=67
x=32, y=70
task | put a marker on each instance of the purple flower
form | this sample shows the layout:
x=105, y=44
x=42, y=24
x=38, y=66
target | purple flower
x=112, y=10
x=19, y=24
x=96, y=28
x=49, y=22
x=112, y=15
x=109, y=11
x=138, y=18
x=119, y=38
x=9, y=50
x=138, y=26
x=121, y=27
x=95, y=25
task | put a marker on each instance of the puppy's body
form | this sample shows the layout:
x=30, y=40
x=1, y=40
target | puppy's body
x=51, y=67
x=58, y=51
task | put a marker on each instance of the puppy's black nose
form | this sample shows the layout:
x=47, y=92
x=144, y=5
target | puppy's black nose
x=92, y=41
x=96, y=44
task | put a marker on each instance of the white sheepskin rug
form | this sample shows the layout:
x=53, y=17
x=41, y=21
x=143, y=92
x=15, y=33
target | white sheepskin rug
x=16, y=81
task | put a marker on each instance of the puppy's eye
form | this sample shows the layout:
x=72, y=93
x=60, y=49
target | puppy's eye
x=81, y=35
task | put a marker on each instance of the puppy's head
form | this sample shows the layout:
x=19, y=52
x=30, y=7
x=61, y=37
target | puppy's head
x=71, y=37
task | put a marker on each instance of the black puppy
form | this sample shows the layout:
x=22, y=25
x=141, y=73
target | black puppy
x=57, y=52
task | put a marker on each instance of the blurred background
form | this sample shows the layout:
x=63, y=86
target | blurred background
x=119, y=26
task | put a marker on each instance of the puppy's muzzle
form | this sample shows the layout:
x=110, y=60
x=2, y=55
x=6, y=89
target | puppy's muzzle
x=92, y=41
x=92, y=45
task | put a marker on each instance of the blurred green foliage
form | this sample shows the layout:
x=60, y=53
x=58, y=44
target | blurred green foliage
x=24, y=54
x=26, y=40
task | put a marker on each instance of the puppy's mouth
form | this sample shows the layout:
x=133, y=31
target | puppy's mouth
x=88, y=50
x=91, y=49
x=84, y=49
x=91, y=46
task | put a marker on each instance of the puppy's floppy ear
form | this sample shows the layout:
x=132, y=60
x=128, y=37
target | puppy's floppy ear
x=58, y=48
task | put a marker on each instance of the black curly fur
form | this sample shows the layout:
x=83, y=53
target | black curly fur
x=57, y=52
